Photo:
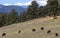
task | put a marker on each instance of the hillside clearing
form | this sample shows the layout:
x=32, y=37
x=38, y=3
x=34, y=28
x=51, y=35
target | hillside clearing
x=26, y=29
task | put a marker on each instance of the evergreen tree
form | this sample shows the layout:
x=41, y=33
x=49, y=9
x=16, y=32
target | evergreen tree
x=2, y=20
x=31, y=13
x=13, y=17
x=33, y=9
x=42, y=11
x=52, y=7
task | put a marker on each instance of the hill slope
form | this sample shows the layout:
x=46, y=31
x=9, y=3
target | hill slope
x=26, y=29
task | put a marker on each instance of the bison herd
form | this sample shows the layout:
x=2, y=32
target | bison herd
x=34, y=30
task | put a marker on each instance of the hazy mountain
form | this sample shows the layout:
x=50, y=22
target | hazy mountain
x=8, y=9
x=1, y=8
x=25, y=6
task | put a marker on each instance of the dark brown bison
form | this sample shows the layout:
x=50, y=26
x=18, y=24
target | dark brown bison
x=19, y=31
x=3, y=34
x=33, y=30
x=42, y=28
x=56, y=34
x=49, y=31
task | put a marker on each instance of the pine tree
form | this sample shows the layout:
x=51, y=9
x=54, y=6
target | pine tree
x=31, y=13
x=33, y=9
x=13, y=17
x=2, y=20
x=42, y=12
x=52, y=7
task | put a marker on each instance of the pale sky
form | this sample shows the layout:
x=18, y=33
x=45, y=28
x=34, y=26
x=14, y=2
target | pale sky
x=21, y=2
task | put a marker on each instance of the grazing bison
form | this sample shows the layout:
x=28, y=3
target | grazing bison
x=42, y=28
x=49, y=31
x=19, y=31
x=56, y=34
x=33, y=30
x=3, y=34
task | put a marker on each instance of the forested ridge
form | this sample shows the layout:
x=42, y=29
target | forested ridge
x=52, y=9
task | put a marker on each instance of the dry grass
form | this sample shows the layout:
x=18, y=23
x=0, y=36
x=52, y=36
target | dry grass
x=26, y=29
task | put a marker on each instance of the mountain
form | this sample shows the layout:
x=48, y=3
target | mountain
x=1, y=8
x=8, y=9
x=25, y=6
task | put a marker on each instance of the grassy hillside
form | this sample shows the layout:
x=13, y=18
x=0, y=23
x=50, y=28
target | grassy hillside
x=26, y=29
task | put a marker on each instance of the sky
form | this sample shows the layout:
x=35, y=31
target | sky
x=21, y=2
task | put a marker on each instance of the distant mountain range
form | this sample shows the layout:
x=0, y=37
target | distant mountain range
x=8, y=9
